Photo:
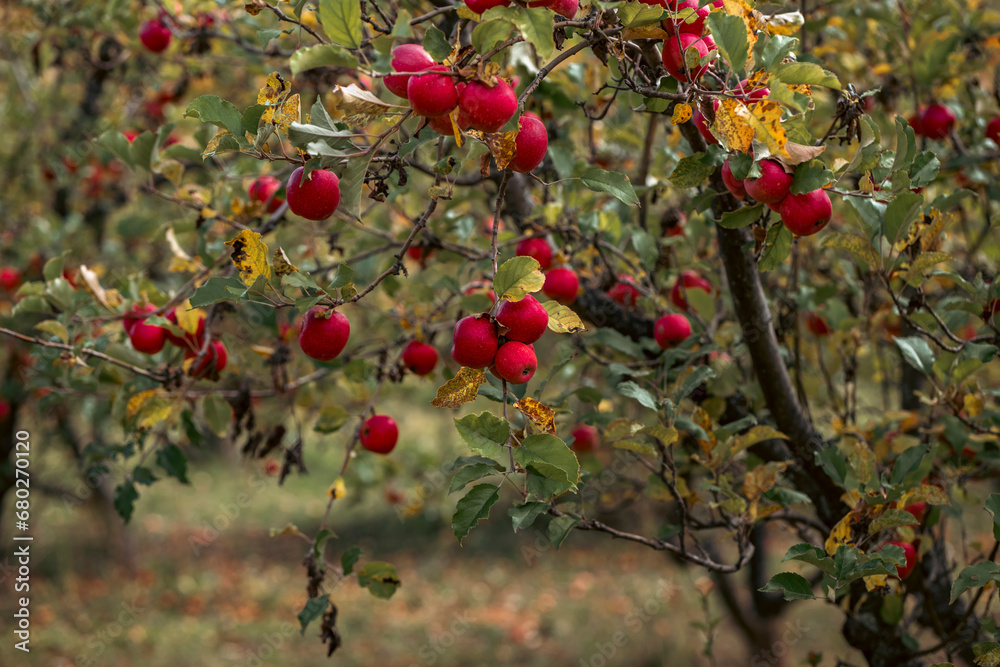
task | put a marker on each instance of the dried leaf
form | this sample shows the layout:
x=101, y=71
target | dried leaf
x=733, y=125
x=93, y=286
x=540, y=414
x=501, y=145
x=274, y=88
x=287, y=113
x=337, y=490
x=282, y=267
x=799, y=153
x=788, y=23
x=762, y=479
x=461, y=389
x=841, y=534
x=351, y=104
x=682, y=113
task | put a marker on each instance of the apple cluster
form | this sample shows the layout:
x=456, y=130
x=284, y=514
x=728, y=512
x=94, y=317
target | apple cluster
x=567, y=8
x=486, y=105
x=150, y=339
x=686, y=29
x=803, y=214
x=561, y=283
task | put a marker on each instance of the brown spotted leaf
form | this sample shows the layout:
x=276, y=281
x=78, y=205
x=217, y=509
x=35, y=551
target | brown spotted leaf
x=762, y=479
x=250, y=256
x=461, y=389
x=541, y=415
x=733, y=125
x=766, y=120
x=501, y=145
x=273, y=90
x=682, y=113
x=351, y=104
x=282, y=266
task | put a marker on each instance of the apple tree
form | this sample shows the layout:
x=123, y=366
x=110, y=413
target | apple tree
x=728, y=263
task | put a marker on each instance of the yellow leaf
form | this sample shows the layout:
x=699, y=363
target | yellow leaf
x=841, y=534
x=856, y=245
x=973, y=405
x=282, y=266
x=54, y=327
x=461, y=389
x=682, y=113
x=262, y=351
x=876, y=582
x=562, y=319
x=181, y=262
x=289, y=529
x=93, y=286
x=189, y=319
x=762, y=479
x=924, y=262
x=702, y=419
x=650, y=31
x=540, y=414
x=149, y=408
x=287, y=113
x=932, y=495
x=250, y=256
x=766, y=120
x=733, y=125
x=501, y=146
x=351, y=104
x=337, y=490
x=273, y=90
x=213, y=144
x=754, y=436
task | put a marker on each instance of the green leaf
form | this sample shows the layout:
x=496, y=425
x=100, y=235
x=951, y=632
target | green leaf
x=264, y=37
x=813, y=555
x=993, y=507
x=143, y=475
x=331, y=419
x=636, y=14
x=402, y=29
x=632, y=390
x=560, y=528
x=436, y=44
x=900, y=214
x=485, y=433
x=892, y=519
x=142, y=150
x=851, y=564
x=470, y=473
x=696, y=378
x=792, y=586
x=550, y=457
x=777, y=247
x=218, y=413
x=810, y=176
x=301, y=135
x=525, y=515
x=315, y=607
x=250, y=120
x=975, y=576
x=217, y=111
x=537, y=25
x=611, y=182
x=917, y=353
x=637, y=447
x=691, y=171
x=173, y=461
x=906, y=145
x=379, y=578
x=341, y=21
x=924, y=169
x=517, y=277
x=215, y=290
x=473, y=508
x=776, y=49
x=55, y=328
x=349, y=559
x=321, y=537
x=806, y=73
x=730, y=33
x=872, y=213
x=116, y=143
x=489, y=34
x=352, y=184
x=343, y=277
x=321, y=55
x=907, y=462
x=124, y=500
x=742, y=217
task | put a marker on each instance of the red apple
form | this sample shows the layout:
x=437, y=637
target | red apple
x=910, y=552
x=315, y=198
x=536, y=247
x=474, y=342
x=530, y=145
x=993, y=130
x=212, y=363
x=673, y=55
x=561, y=285
x=671, y=330
x=733, y=184
x=442, y=124
x=10, y=279
x=918, y=510
x=323, y=333
x=379, y=434
x=526, y=320
x=154, y=35
x=5, y=410
x=515, y=362
x=263, y=189
x=699, y=121
x=674, y=25
x=772, y=185
x=937, y=121
x=488, y=109
x=567, y=8
x=806, y=214
x=432, y=95
x=480, y=6
x=624, y=292
x=406, y=58
x=420, y=357
x=690, y=281
x=817, y=324
x=586, y=438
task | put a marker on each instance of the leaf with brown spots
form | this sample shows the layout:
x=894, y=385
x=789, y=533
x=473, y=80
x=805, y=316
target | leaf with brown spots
x=540, y=414
x=682, y=113
x=766, y=120
x=273, y=90
x=250, y=256
x=733, y=125
x=461, y=389
x=282, y=266
x=501, y=145
x=351, y=104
